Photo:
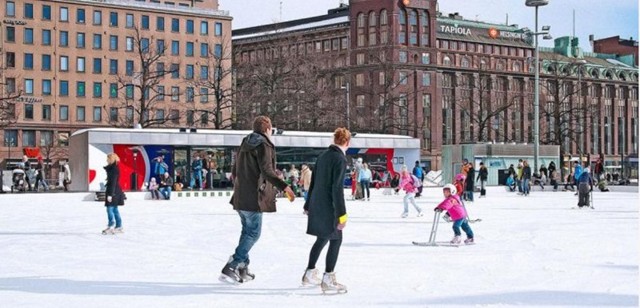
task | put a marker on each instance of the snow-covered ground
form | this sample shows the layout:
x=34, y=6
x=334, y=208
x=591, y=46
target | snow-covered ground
x=531, y=251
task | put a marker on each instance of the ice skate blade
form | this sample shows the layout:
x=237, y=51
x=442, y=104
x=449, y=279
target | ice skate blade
x=334, y=292
x=436, y=244
x=228, y=280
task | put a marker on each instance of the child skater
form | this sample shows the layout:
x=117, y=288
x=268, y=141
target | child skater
x=459, y=184
x=454, y=208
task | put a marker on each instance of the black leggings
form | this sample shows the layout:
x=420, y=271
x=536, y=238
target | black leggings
x=332, y=254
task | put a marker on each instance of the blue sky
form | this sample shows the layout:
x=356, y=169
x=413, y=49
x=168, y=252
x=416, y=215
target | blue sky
x=601, y=18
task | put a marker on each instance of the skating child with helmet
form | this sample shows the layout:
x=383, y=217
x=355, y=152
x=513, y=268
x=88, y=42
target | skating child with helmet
x=459, y=184
x=453, y=205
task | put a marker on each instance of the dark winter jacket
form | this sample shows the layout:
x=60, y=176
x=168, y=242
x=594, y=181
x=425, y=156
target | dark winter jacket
x=526, y=173
x=585, y=177
x=469, y=183
x=483, y=174
x=325, y=204
x=166, y=182
x=254, y=175
x=113, y=189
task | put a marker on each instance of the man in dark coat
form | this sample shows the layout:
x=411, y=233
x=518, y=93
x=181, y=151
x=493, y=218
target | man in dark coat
x=327, y=214
x=469, y=184
x=253, y=193
x=483, y=175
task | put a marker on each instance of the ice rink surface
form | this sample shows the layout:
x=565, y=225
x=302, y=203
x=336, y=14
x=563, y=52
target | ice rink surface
x=531, y=252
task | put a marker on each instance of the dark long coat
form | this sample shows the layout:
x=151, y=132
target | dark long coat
x=326, y=194
x=254, y=175
x=113, y=188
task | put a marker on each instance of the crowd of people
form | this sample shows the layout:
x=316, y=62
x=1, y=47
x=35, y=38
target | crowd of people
x=30, y=177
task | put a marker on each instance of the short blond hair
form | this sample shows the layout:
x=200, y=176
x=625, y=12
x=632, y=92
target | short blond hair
x=113, y=158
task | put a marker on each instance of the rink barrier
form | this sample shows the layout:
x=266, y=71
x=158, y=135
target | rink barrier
x=201, y=194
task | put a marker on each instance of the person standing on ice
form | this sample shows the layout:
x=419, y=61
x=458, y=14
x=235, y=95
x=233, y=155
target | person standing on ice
x=114, y=197
x=254, y=177
x=453, y=205
x=585, y=186
x=409, y=183
x=326, y=211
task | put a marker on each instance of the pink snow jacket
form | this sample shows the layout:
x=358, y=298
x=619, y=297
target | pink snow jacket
x=406, y=184
x=453, y=206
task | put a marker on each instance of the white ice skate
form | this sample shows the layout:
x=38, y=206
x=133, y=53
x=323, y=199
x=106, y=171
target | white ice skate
x=118, y=230
x=310, y=278
x=455, y=240
x=330, y=285
x=108, y=230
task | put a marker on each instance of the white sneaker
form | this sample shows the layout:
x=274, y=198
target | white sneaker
x=405, y=215
x=455, y=240
x=118, y=230
x=329, y=284
x=310, y=277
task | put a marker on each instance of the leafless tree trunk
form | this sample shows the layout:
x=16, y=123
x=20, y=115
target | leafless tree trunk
x=140, y=86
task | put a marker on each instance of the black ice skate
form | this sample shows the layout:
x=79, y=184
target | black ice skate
x=245, y=274
x=230, y=275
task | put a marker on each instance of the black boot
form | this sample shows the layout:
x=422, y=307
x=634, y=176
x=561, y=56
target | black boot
x=245, y=274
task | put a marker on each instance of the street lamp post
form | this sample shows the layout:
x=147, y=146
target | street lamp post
x=348, y=106
x=536, y=94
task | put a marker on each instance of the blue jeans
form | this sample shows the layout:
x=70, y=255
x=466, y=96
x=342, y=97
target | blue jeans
x=196, y=175
x=114, y=214
x=365, y=188
x=525, y=186
x=305, y=195
x=464, y=223
x=166, y=192
x=251, y=228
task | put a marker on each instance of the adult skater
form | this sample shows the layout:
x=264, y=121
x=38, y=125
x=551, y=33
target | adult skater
x=469, y=184
x=114, y=197
x=483, y=175
x=254, y=177
x=526, y=178
x=419, y=173
x=454, y=208
x=327, y=214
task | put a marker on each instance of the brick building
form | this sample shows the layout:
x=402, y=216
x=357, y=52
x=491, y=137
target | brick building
x=617, y=46
x=78, y=64
x=405, y=68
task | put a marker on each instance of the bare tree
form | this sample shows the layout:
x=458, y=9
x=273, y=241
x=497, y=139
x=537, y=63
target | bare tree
x=563, y=118
x=142, y=91
x=280, y=79
x=54, y=147
x=214, y=82
x=390, y=92
x=484, y=103
x=8, y=99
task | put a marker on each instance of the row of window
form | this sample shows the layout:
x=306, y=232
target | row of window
x=385, y=80
x=97, y=116
x=97, y=40
x=81, y=18
x=485, y=48
x=97, y=90
x=29, y=138
x=300, y=49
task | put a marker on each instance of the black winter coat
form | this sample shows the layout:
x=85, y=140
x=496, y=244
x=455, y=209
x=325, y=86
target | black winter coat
x=483, y=174
x=469, y=183
x=254, y=175
x=113, y=188
x=325, y=203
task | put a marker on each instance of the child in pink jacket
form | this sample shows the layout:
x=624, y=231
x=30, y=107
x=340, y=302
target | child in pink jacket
x=408, y=184
x=453, y=206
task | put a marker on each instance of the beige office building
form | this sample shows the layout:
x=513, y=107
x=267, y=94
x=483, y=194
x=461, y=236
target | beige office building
x=75, y=64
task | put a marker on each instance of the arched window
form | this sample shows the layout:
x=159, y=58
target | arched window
x=483, y=64
x=384, y=31
x=608, y=75
x=361, y=20
x=361, y=30
x=465, y=62
x=373, y=21
x=413, y=27
x=594, y=73
x=622, y=76
x=500, y=65
x=402, y=32
x=383, y=18
x=446, y=61
x=424, y=23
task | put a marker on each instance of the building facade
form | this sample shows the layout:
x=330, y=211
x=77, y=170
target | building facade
x=617, y=46
x=402, y=67
x=74, y=64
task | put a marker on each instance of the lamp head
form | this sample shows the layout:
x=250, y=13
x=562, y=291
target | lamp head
x=536, y=2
